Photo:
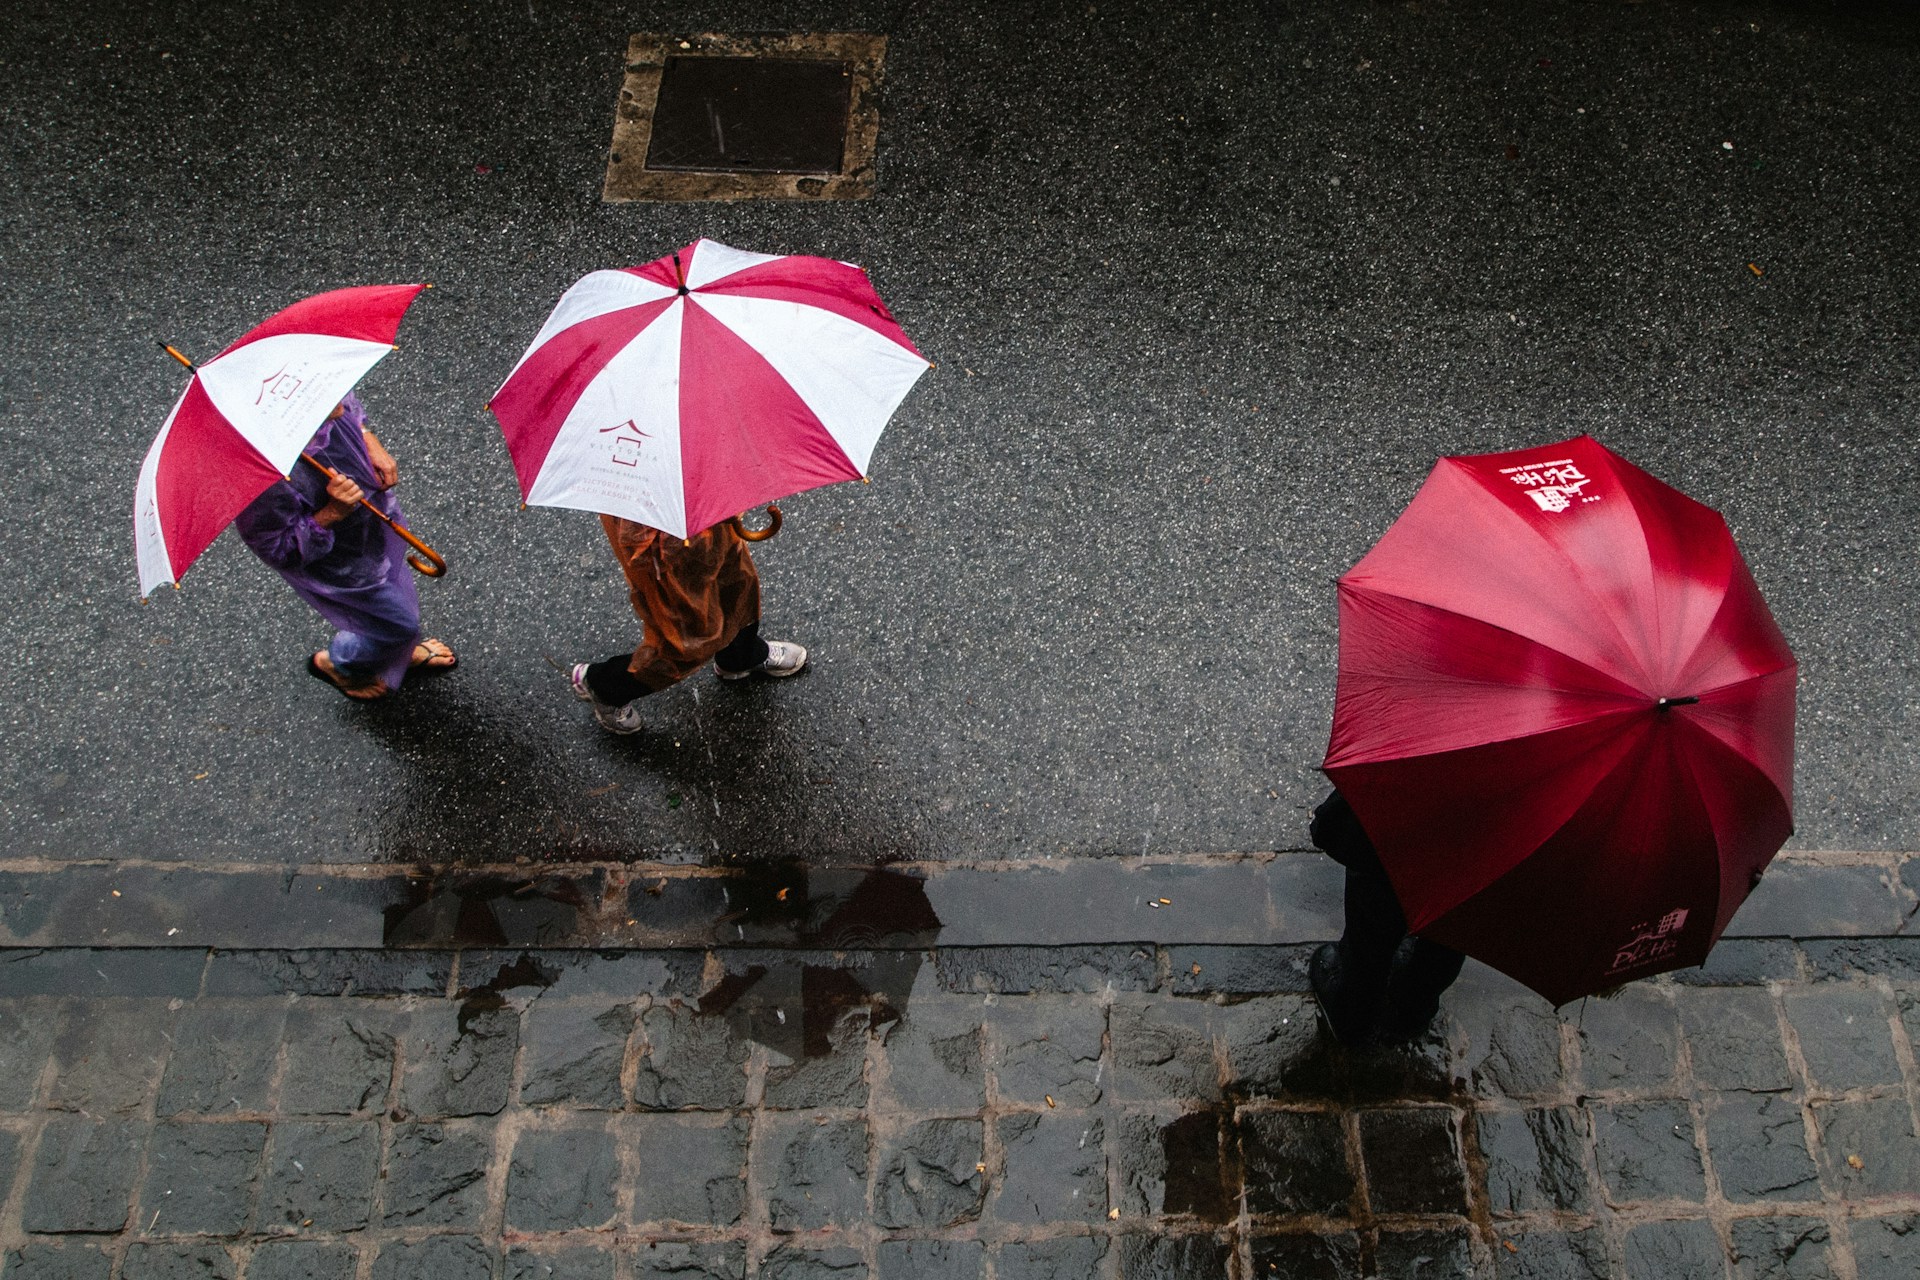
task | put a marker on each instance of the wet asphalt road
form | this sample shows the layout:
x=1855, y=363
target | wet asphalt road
x=1209, y=288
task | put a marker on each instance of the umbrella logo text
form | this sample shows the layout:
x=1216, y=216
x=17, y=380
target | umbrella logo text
x=1553, y=486
x=280, y=385
x=626, y=448
x=1650, y=944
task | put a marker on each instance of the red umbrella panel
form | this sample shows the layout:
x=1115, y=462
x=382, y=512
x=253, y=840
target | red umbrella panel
x=1565, y=717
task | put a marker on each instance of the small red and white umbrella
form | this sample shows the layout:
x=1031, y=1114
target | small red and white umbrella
x=247, y=414
x=684, y=392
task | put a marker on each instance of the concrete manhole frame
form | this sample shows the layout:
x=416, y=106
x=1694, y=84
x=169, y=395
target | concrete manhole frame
x=629, y=179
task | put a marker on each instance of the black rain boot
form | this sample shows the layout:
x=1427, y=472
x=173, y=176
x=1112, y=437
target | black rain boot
x=1353, y=1020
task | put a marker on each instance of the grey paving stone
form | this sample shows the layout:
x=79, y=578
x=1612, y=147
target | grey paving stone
x=690, y=1168
x=1646, y=1151
x=1664, y=1250
x=1425, y=1255
x=1744, y=962
x=9, y=1158
x=26, y=1042
x=108, y=1054
x=1512, y=1046
x=571, y=974
x=1030, y=970
x=320, y=1175
x=1072, y=1258
x=930, y=1260
x=1251, y=970
x=303, y=1260
x=581, y=1263
x=1046, y=1046
x=1162, y=1050
x=1734, y=1035
x=933, y=1058
x=1879, y=1135
x=574, y=1052
x=1908, y=1003
x=1781, y=1248
x=1549, y=1254
x=339, y=1055
x=64, y=1261
x=791, y=1262
x=1174, y=1164
x=562, y=1179
x=330, y=972
x=148, y=973
x=1055, y=1169
x=671, y=1260
x=177, y=1262
x=1759, y=1148
x=223, y=1057
x=82, y=1175
x=814, y=1171
x=1296, y=1162
x=1162, y=1257
x=459, y=1059
x=1536, y=1159
x=691, y=1060
x=1413, y=1160
x=1307, y=1257
x=836, y=1078
x=1845, y=1036
x=1818, y=900
x=930, y=1175
x=436, y=1175
x=1843, y=958
x=435, y=1258
x=200, y=1178
x=1887, y=1248
x=1629, y=1041
x=1267, y=1040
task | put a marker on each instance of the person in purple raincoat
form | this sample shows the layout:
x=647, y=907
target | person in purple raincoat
x=344, y=562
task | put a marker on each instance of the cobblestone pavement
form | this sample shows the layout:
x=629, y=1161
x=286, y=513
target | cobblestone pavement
x=1004, y=1112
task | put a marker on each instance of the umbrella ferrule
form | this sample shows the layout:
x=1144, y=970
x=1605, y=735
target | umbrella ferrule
x=1668, y=704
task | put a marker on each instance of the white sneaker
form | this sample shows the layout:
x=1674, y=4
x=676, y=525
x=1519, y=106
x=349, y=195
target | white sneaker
x=621, y=719
x=784, y=658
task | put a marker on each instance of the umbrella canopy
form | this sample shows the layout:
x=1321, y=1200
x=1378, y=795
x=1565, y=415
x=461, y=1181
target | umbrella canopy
x=1565, y=717
x=246, y=415
x=684, y=392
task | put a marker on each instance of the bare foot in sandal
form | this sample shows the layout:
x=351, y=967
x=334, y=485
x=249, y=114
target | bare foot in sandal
x=433, y=656
x=321, y=667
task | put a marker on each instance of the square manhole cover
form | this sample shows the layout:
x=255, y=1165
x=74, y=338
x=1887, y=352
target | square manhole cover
x=715, y=117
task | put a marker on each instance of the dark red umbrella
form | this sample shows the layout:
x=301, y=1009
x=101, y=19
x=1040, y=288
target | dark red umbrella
x=1565, y=716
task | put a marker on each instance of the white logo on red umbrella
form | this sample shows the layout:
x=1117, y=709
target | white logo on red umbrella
x=1651, y=943
x=1553, y=486
x=627, y=447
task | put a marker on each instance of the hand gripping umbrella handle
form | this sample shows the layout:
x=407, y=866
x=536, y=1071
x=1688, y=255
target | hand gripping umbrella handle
x=432, y=565
x=758, y=535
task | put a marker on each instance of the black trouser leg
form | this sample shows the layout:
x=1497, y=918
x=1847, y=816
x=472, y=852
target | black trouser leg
x=611, y=682
x=744, y=652
x=1374, y=929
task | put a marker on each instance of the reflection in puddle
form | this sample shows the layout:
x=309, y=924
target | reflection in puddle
x=488, y=911
x=1196, y=1177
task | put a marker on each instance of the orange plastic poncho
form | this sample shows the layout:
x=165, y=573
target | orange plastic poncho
x=694, y=596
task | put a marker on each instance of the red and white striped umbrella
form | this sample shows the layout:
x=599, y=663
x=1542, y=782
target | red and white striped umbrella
x=246, y=415
x=687, y=391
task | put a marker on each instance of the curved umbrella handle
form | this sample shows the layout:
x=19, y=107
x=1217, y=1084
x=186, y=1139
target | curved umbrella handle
x=433, y=565
x=758, y=535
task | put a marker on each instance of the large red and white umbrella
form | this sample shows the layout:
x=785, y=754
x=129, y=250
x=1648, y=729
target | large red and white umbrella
x=682, y=393
x=246, y=415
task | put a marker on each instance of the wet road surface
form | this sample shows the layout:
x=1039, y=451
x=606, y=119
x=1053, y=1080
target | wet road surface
x=1209, y=288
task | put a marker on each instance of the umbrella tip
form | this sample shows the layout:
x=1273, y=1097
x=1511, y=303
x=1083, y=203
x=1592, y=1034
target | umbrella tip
x=866, y=479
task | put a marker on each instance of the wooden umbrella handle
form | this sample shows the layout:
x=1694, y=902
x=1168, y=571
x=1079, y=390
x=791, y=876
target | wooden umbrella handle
x=758, y=535
x=428, y=562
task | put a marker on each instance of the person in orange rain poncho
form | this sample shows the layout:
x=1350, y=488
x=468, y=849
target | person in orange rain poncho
x=698, y=600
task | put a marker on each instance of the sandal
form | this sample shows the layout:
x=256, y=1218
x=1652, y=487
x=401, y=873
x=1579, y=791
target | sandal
x=357, y=692
x=433, y=657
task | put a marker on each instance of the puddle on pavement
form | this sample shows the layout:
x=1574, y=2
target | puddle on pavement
x=489, y=911
x=1196, y=1175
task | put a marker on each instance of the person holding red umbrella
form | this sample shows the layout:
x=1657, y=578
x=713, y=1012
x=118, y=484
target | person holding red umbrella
x=698, y=600
x=316, y=529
